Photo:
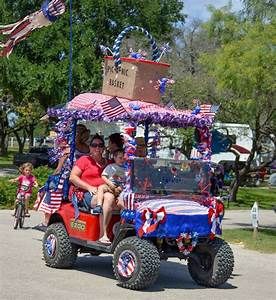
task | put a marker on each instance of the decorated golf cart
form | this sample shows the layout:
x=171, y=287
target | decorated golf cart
x=169, y=211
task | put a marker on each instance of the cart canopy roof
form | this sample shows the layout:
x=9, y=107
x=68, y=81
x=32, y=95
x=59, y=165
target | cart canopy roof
x=99, y=107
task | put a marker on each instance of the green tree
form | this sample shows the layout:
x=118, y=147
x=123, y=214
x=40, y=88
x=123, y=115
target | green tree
x=259, y=10
x=37, y=70
x=246, y=67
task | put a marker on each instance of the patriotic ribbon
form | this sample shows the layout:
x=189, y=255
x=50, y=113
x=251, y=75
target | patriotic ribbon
x=152, y=219
x=20, y=30
x=214, y=217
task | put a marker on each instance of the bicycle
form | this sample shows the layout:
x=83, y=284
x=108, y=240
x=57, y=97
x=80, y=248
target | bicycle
x=19, y=215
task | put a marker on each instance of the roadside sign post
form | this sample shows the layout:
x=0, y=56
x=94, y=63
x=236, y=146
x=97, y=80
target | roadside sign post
x=255, y=218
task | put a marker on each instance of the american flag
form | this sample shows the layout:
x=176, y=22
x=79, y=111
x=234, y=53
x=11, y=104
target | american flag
x=56, y=7
x=113, y=108
x=54, y=204
x=126, y=264
x=170, y=105
x=209, y=109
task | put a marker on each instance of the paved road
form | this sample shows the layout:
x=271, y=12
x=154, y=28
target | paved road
x=241, y=218
x=23, y=274
x=8, y=171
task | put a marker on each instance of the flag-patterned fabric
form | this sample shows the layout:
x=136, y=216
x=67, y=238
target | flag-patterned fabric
x=113, y=108
x=139, y=110
x=56, y=7
x=54, y=204
x=83, y=101
x=129, y=201
x=20, y=30
x=170, y=105
x=126, y=265
x=209, y=109
x=175, y=206
x=52, y=196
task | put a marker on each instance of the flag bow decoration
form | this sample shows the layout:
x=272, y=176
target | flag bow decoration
x=215, y=215
x=152, y=219
x=20, y=30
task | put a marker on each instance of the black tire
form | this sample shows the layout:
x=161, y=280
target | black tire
x=22, y=217
x=146, y=263
x=63, y=254
x=213, y=264
x=17, y=215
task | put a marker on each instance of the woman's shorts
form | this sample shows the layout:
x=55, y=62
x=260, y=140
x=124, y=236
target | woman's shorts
x=86, y=201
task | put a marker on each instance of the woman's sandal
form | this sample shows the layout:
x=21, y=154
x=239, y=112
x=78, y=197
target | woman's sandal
x=104, y=241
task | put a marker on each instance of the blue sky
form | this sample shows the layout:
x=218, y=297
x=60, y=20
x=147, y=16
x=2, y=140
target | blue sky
x=198, y=8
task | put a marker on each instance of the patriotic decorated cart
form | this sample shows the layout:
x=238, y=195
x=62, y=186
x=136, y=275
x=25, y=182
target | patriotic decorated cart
x=169, y=211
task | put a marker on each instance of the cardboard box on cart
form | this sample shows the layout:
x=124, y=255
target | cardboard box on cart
x=134, y=80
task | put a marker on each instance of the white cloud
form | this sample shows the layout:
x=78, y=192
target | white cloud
x=198, y=8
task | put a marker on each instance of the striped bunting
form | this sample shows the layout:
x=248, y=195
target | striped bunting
x=176, y=207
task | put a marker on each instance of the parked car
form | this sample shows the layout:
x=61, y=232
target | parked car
x=38, y=156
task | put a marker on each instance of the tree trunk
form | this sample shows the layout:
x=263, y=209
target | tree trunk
x=235, y=184
x=31, y=135
x=21, y=142
x=3, y=144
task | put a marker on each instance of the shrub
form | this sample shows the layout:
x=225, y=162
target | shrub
x=8, y=190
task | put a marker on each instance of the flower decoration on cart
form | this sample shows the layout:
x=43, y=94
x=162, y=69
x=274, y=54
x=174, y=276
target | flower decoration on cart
x=162, y=84
x=186, y=242
x=63, y=129
x=19, y=31
x=140, y=54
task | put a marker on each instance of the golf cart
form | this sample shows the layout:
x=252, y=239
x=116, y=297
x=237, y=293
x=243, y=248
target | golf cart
x=168, y=209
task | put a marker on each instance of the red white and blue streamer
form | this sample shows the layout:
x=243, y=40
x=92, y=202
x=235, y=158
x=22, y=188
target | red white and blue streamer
x=19, y=31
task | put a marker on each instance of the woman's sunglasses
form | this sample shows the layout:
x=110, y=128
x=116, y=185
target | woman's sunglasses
x=94, y=145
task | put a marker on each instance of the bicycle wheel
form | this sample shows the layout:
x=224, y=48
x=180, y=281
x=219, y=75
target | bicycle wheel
x=17, y=216
x=22, y=216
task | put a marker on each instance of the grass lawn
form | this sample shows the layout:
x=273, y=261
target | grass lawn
x=265, y=240
x=265, y=197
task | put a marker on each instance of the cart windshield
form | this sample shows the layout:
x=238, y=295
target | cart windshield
x=168, y=176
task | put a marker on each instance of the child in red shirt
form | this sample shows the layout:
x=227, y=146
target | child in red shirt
x=26, y=182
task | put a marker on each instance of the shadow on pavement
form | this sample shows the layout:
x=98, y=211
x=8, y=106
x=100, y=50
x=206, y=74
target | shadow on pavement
x=172, y=275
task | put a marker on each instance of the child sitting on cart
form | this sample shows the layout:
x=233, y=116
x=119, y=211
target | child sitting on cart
x=114, y=178
x=26, y=182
